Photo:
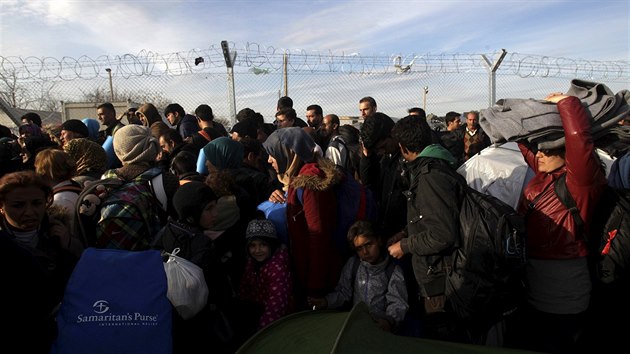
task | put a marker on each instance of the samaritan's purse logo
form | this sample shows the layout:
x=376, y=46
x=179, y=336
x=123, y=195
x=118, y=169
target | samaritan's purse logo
x=104, y=317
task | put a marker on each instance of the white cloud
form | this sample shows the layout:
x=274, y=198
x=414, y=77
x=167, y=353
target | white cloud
x=80, y=27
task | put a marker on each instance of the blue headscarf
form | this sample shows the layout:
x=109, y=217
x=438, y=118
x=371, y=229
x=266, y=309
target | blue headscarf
x=93, y=127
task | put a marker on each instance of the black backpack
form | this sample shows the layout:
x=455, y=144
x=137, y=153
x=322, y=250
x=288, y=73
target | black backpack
x=485, y=280
x=609, y=233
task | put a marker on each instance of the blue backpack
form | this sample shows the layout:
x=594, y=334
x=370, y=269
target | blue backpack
x=115, y=302
x=354, y=202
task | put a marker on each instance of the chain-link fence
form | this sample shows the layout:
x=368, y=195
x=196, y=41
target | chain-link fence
x=439, y=83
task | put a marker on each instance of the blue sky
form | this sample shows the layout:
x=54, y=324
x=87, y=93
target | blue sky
x=579, y=29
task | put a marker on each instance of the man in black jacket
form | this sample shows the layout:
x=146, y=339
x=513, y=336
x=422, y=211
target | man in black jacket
x=432, y=229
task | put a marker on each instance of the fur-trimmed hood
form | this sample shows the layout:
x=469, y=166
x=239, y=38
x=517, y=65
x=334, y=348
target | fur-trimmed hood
x=318, y=176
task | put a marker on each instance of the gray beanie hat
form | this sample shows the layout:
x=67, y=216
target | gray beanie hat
x=134, y=144
x=261, y=229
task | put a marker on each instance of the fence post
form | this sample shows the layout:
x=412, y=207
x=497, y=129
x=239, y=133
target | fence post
x=492, y=69
x=111, y=85
x=229, y=63
x=424, y=98
x=285, y=64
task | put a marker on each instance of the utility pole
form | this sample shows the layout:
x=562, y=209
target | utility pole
x=111, y=85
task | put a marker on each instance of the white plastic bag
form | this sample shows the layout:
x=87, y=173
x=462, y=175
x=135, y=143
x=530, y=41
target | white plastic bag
x=187, y=288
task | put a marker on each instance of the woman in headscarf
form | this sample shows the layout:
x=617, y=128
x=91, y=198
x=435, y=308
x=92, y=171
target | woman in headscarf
x=90, y=158
x=308, y=180
x=224, y=162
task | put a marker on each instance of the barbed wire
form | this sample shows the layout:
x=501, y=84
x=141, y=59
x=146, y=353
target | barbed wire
x=267, y=59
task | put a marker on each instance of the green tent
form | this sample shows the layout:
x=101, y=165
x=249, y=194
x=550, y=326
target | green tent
x=328, y=331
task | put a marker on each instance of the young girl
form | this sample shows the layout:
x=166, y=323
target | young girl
x=369, y=277
x=267, y=278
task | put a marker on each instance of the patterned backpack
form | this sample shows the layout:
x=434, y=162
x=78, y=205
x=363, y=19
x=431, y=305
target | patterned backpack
x=113, y=213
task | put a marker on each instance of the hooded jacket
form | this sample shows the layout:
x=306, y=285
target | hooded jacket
x=269, y=284
x=433, y=204
x=317, y=262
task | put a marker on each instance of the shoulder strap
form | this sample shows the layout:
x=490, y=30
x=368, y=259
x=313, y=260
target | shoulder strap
x=205, y=134
x=157, y=188
x=155, y=178
x=532, y=204
x=560, y=187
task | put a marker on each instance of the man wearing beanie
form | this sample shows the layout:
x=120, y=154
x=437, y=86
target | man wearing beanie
x=73, y=129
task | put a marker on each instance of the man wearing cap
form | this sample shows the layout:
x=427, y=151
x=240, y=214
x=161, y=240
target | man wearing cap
x=73, y=129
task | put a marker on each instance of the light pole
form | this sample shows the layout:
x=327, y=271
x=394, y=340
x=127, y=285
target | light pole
x=229, y=63
x=424, y=98
x=111, y=85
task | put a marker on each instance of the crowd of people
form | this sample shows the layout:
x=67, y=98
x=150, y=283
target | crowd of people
x=261, y=267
